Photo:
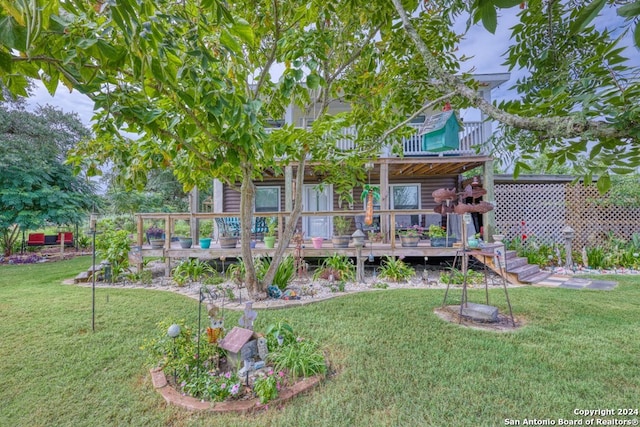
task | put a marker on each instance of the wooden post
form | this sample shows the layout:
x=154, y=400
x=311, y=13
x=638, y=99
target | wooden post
x=489, y=219
x=384, y=198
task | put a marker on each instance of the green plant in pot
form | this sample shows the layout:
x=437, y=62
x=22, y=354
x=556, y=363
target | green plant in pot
x=270, y=235
x=474, y=240
x=411, y=236
x=438, y=235
x=341, y=228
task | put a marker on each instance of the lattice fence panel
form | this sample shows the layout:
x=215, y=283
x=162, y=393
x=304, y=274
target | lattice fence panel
x=540, y=206
x=593, y=216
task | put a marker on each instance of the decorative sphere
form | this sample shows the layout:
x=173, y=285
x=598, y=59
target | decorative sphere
x=174, y=331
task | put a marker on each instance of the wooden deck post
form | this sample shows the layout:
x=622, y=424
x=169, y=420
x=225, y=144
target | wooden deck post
x=384, y=198
x=489, y=219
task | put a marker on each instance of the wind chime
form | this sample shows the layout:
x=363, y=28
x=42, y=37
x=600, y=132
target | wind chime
x=370, y=193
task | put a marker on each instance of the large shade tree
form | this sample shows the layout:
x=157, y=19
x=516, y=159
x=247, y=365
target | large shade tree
x=36, y=186
x=197, y=81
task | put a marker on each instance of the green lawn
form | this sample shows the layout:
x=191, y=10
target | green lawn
x=397, y=363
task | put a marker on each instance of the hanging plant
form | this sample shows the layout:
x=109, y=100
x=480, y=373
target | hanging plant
x=370, y=193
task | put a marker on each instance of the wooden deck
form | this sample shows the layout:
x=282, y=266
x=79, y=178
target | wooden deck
x=308, y=251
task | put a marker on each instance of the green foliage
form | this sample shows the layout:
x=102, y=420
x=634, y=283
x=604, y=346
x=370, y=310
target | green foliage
x=395, y=270
x=456, y=277
x=302, y=358
x=36, y=186
x=597, y=257
x=179, y=355
x=266, y=387
x=211, y=386
x=280, y=328
x=191, y=270
x=437, y=231
x=272, y=226
x=339, y=266
x=284, y=272
x=341, y=225
x=113, y=246
x=536, y=252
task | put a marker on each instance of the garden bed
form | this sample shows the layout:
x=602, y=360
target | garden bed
x=173, y=397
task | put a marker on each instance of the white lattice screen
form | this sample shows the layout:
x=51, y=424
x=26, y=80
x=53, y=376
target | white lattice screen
x=548, y=208
x=593, y=220
x=540, y=206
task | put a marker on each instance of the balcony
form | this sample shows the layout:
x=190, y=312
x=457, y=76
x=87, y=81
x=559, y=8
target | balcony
x=471, y=137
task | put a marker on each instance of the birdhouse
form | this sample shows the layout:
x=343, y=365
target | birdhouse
x=240, y=344
x=440, y=132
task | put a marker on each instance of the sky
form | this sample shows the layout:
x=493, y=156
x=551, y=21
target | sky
x=484, y=48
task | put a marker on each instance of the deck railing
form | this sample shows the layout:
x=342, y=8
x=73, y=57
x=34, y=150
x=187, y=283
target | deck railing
x=390, y=220
x=471, y=137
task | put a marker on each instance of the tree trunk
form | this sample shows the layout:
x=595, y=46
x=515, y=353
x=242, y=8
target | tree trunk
x=247, y=193
x=290, y=228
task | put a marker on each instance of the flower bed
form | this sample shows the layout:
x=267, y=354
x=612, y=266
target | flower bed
x=207, y=368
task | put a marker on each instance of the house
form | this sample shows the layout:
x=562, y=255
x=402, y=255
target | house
x=406, y=182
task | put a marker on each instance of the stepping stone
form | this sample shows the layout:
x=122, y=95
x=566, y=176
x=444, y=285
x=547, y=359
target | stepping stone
x=572, y=285
x=601, y=285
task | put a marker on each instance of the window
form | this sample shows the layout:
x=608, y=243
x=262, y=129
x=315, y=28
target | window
x=405, y=196
x=267, y=199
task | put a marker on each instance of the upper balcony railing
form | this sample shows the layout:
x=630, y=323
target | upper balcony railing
x=471, y=136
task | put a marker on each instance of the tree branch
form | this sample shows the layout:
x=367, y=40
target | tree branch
x=559, y=126
x=416, y=114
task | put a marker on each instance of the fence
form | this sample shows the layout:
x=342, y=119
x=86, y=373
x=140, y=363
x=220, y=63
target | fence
x=543, y=209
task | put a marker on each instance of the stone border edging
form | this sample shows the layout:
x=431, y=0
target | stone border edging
x=173, y=397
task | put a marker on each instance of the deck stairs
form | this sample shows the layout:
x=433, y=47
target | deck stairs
x=518, y=270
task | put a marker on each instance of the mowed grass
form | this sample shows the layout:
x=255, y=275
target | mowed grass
x=396, y=362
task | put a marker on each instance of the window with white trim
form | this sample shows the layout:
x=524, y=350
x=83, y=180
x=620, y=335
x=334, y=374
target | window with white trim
x=267, y=199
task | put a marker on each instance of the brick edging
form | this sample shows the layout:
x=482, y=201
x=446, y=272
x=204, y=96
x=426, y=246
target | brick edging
x=173, y=397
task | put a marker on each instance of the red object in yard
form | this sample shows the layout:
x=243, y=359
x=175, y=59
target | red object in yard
x=68, y=238
x=35, y=239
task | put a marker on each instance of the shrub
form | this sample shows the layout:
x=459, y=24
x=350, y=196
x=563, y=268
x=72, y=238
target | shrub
x=191, y=270
x=301, y=359
x=114, y=246
x=179, y=355
x=395, y=270
x=266, y=386
x=279, y=329
x=456, y=277
x=340, y=266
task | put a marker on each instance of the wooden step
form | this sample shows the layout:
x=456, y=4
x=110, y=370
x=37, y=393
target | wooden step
x=537, y=277
x=524, y=271
x=515, y=262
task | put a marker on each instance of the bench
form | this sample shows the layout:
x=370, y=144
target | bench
x=41, y=239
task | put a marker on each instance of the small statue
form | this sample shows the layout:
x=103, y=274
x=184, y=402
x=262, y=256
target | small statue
x=246, y=320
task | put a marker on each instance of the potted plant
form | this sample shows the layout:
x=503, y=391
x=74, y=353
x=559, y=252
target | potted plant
x=270, y=236
x=438, y=235
x=374, y=237
x=206, y=231
x=205, y=242
x=474, y=241
x=154, y=233
x=341, y=227
x=411, y=236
